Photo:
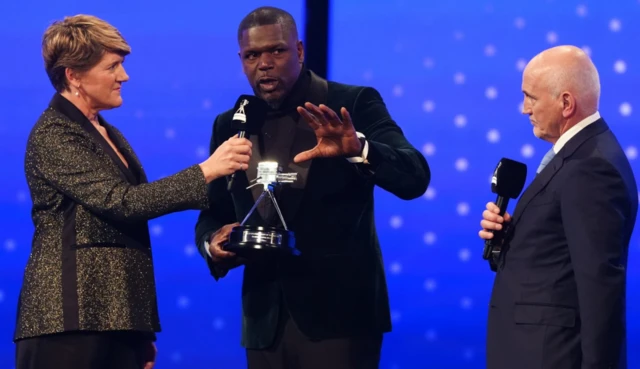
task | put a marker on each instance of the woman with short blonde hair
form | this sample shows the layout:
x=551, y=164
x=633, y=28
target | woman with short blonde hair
x=78, y=43
x=88, y=298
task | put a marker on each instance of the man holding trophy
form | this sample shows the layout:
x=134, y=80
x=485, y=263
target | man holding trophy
x=301, y=218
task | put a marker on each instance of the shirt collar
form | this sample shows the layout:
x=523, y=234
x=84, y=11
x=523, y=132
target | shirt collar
x=565, y=137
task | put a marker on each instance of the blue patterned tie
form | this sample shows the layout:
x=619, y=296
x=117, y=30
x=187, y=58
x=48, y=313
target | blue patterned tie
x=547, y=158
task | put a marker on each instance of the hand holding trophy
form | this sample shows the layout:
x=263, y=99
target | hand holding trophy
x=246, y=240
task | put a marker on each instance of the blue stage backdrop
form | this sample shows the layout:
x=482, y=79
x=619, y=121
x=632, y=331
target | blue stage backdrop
x=450, y=73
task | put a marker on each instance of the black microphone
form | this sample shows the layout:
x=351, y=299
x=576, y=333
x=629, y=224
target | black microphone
x=507, y=182
x=250, y=112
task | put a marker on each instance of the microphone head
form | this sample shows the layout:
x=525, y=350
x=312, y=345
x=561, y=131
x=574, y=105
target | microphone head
x=248, y=108
x=509, y=178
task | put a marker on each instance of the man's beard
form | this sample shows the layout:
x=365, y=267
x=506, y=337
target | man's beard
x=274, y=104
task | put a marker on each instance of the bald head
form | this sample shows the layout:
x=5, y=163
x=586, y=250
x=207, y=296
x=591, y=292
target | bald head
x=568, y=69
x=561, y=88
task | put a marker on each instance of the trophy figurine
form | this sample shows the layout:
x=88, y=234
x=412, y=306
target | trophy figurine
x=247, y=240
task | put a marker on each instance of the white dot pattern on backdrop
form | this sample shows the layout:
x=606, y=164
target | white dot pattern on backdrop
x=428, y=149
x=464, y=254
x=431, y=335
x=430, y=238
x=457, y=98
x=615, y=25
x=620, y=66
x=470, y=90
x=218, y=324
x=493, y=136
x=463, y=209
x=156, y=230
x=430, y=285
x=462, y=164
x=460, y=120
x=491, y=93
x=625, y=109
x=190, y=250
x=527, y=150
x=428, y=106
x=430, y=193
x=21, y=196
x=395, y=222
x=10, y=245
x=581, y=10
x=183, y=302
x=632, y=152
x=398, y=91
x=490, y=50
x=395, y=268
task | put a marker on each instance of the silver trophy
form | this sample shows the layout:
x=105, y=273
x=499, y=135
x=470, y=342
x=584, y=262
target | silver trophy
x=247, y=240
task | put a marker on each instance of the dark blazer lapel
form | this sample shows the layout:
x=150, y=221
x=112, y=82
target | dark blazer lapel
x=538, y=183
x=66, y=107
x=135, y=171
x=305, y=139
x=542, y=179
x=302, y=139
x=125, y=173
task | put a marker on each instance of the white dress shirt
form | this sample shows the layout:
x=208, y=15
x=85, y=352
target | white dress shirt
x=565, y=137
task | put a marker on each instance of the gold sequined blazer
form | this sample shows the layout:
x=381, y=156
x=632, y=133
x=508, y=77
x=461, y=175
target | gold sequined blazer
x=90, y=266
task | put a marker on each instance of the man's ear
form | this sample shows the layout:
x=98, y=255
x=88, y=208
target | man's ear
x=568, y=104
x=300, y=50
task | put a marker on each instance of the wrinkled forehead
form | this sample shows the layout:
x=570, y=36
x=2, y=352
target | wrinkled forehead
x=533, y=75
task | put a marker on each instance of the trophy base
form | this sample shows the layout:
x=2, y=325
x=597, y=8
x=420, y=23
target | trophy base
x=247, y=241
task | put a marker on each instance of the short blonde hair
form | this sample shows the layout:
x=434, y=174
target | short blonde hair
x=79, y=43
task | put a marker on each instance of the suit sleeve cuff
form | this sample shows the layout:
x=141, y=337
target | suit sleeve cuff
x=365, y=151
x=206, y=248
x=216, y=271
x=362, y=158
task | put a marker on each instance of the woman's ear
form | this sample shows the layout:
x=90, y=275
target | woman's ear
x=73, y=77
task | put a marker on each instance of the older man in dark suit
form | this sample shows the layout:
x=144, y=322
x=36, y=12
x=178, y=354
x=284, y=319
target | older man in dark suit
x=558, y=300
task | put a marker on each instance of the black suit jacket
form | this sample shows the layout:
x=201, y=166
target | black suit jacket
x=90, y=266
x=558, y=300
x=337, y=287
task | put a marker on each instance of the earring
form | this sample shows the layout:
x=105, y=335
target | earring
x=77, y=94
